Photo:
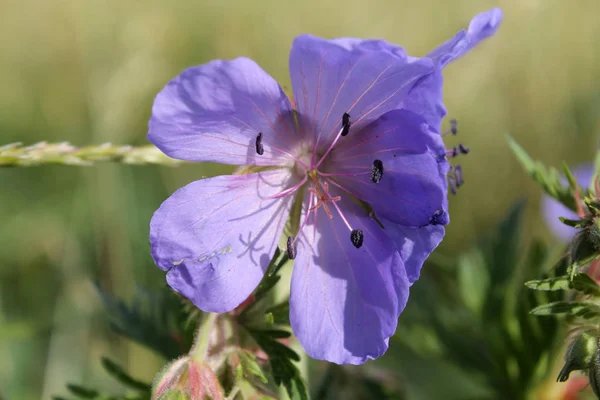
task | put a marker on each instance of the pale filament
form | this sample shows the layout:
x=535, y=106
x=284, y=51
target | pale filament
x=330, y=148
x=288, y=191
x=289, y=155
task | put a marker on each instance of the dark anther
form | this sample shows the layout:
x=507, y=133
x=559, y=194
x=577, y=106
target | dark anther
x=356, y=237
x=345, y=124
x=452, y=183
x=377, y=171
x=456, y=150
x=259, y=146
x=454, y=126
x=458, y=175
x=291, y=249
x=439, y=218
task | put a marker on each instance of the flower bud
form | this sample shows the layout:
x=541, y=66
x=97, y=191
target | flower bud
x=580, y=353
x=594, y=233
x=187, y=379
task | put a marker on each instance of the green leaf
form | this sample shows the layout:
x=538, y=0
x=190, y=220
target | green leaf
x=280, y=313
x=585, y=284
x=584, y=310
x=157, y=320
x=117, y=372
x=82, y=392
x=548, y=178
x=575, y=223
x=250, y=367
x=573, y=185
x=580, y=282
x=281, y=359
x=550, y=284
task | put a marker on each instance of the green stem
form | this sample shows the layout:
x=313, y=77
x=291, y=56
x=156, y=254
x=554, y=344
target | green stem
x=17, y=155
x=200, y=349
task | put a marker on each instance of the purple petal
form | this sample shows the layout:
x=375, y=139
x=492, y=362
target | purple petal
x=425, y=98
x=215, y=111
x=481, y=27
x=414, y=244
x=552, y=209
x=216, y=236
x=362, y=78
x=344, y=301
x=412, y=189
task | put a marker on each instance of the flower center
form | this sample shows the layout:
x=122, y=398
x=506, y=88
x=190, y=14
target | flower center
x=306, y=166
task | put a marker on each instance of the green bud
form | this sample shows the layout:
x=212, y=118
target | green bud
x=169, y=377
x=187, y=379
x=580, y=354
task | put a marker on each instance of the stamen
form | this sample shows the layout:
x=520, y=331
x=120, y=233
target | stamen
x=453, y=128
x=458, y=174
x=286, y=153
x=456, y=150
x=345, y=128
x=288, y=191
x=452, y=183
x=356, y=237
x=439, y=218
x=291, y=248
x=455, y=178
x=377, y=171
x=345, y=124
x=259, y=146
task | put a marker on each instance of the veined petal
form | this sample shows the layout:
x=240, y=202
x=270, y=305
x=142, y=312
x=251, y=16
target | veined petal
x=362, y=78
x=216, y=236
x=414, y=244
x=344, y=301
x=214, y=112
x=412, y=188
x=481, y=27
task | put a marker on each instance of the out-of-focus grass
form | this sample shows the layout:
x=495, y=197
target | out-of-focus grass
x=87, y=71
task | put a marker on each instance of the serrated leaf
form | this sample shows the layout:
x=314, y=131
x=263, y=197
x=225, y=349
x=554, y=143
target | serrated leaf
x=117, y=372
x=251, y=367
x=580, y=282
x=584, y=310
x=575, y=223
x=296, y=389
x=157, y=320
x=585, y=284
x=573, y=185
x=550, y=284
x=82, y=392
x=273, y=333
x=548, y=178
x=280, y=313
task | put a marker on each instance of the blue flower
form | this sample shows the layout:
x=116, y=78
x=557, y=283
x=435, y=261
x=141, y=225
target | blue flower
x=360, y=151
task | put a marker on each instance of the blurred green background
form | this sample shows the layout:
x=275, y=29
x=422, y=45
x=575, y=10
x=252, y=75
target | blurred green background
x=87, y=72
